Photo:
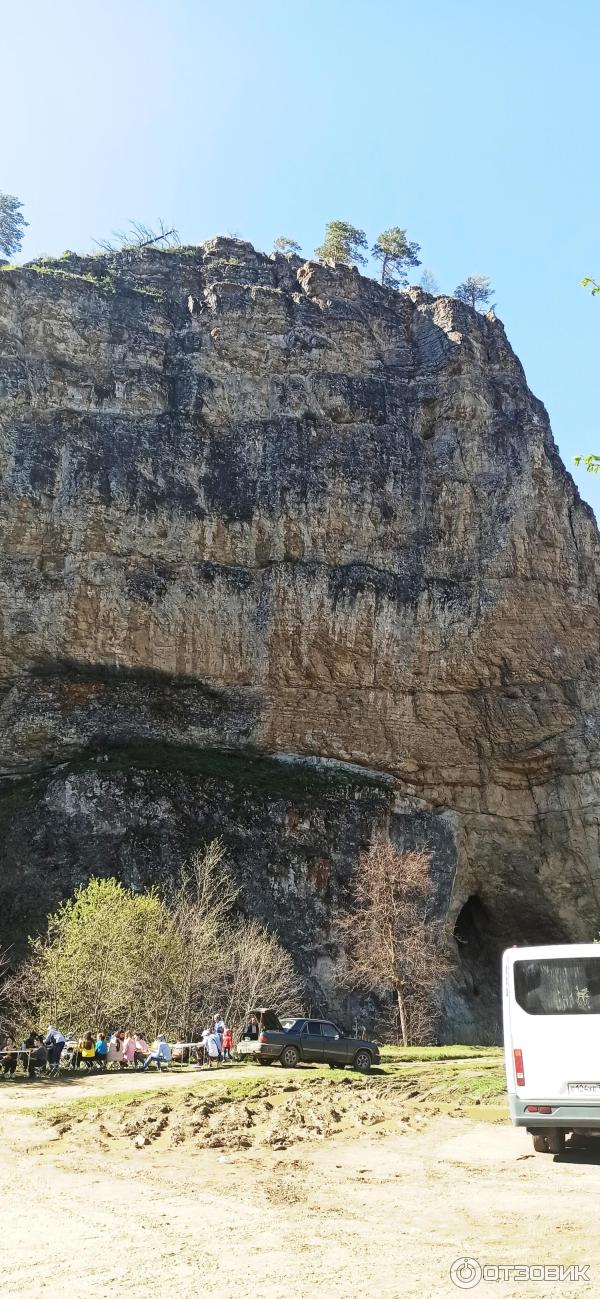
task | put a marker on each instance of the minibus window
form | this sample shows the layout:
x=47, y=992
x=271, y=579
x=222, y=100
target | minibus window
x=565, y=986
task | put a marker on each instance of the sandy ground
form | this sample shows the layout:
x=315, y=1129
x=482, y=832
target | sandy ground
x=385, y=1214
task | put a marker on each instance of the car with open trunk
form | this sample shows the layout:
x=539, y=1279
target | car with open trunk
x=298, y=1039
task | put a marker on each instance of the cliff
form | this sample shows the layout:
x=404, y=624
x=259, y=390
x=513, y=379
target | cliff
x=254, y=509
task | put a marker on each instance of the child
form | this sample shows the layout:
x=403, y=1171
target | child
x=227, y=1044
x=101, y=1051
x=87, y=1051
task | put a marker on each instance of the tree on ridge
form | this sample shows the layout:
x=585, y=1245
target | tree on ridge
x=12, y=224
x=396, y=253
x=476, y=290
x=429, y=283
x=284, y=245
x=342, y=243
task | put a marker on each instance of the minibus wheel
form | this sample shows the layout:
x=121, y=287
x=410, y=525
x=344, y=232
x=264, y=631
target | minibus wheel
x=556, y=1141
x=551, y=1142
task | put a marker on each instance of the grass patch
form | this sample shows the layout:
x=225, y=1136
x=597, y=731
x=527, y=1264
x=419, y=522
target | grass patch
x=80, y=1108
x=105, y=282
x=463, y=1087
x=399, y=1054
x=277, y=1108
x=212, y=1086
x=263, y=775
x=454, y=1086
x=251, y=773
x=147, y=292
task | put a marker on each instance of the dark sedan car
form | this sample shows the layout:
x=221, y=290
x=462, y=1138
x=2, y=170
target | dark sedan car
x=317, y=1041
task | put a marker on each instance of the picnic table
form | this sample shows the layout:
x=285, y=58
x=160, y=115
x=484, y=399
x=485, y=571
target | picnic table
x=190, y=1047
x=21, y=1052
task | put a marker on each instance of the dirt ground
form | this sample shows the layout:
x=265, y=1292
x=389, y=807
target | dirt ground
x=364, y=1192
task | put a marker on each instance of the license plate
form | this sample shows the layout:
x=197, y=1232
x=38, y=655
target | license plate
x=584, y=1089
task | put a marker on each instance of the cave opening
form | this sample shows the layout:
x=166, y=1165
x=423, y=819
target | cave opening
x=473, y=925
x=479, y=950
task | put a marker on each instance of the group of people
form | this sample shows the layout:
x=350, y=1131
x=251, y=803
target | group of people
x=118, y=1048
x=94, y=1051
x=216, y=1043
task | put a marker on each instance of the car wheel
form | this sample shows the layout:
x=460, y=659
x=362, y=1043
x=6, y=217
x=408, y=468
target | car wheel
x=290, y=1057
x=362, y=1061
x=539, y=1143
x=332, y=1065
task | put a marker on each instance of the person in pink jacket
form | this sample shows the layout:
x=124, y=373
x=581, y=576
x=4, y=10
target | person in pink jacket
x=129, y=1049
x=142, y=1050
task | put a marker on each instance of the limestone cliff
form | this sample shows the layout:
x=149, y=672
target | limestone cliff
x=254, y=508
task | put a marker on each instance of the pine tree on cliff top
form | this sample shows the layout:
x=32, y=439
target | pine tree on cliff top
x=476, y=290
x=396, y=253
x=12, y=224
x=342, y=243
x=284, y=245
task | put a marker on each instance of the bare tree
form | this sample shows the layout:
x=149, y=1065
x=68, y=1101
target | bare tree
x=257, y=970
x=138, y=235
x=6, y=998
x=201, y=907
x=429, y=283
x=226, y=964
x=394, y=946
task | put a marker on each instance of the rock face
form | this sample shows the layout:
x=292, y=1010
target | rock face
x=254, y=508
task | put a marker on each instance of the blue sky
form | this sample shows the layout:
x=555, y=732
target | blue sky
x=473, y=124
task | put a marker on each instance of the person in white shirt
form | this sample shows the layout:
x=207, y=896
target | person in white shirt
x=213, y=1048
x=160, y=1053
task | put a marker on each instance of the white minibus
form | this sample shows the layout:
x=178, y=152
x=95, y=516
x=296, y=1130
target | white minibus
x=551, y=1012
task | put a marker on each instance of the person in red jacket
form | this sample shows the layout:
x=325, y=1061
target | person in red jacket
x=227, y=1044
